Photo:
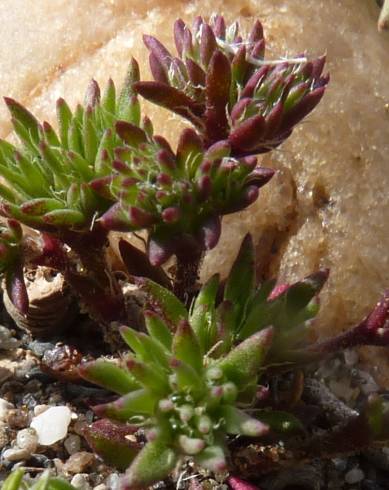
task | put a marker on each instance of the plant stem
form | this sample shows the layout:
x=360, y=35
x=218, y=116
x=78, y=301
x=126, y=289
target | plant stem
x=186, y=276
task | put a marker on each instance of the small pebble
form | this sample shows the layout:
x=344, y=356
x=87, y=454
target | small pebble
x=16, y=454
x=78, y=462
x=5, y=407
x=101, y=487
x=7, y=342
x=72, y=444
x=52, y=425
x=17, y=418
x=351, y=357
x=354, y=476
x=113, y=481
x=27, y=439
x=3, y=435
x=80, y=481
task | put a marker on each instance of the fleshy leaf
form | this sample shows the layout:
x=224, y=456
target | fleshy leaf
x=153, y=463
x=241, y=280
x=163, y=301
x=244, y=361
x=109, y=441
x=109, y=376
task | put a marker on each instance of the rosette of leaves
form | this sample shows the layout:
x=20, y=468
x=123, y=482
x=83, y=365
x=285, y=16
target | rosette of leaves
x=47, y=176
x=16, y=481
x=222, y=84
x=178, y=196
x=11, y=263
x=189, y=380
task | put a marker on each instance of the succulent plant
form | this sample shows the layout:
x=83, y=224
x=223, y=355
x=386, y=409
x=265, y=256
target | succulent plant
x=223, y=85
x=15, y=481
x=179, y=197
x=47, y=176
x=239, y=104
x=189, y=379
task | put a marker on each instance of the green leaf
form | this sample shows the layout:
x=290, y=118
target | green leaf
x=14, y=480
x=24, y=117
x=278, y=421
x=244, y=361
x=153, y=463
x=239, y=423
x=202, y=318
x=158, y=329
x=241, y=280
x=126, y=110
x=89, y=135
x=39, y=206
x=163, y=301
x=139, y=402
x=186, y=377
x=64, y=217
x=109, y=376
x=259, y=313
x=108, y=101
x=147, y=349
x=212, y=458
x=148, y=376
x=58, y=484
x=186, y=346
x=64, y=118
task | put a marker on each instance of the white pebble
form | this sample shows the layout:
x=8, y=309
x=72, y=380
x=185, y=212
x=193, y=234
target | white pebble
x=5, y=407
x=354, y=476
x=101, y=487
x=113, y=481
x=80, y=481
x=72, y=444
x=52, y=425
x=27, y=439
x=38, y=409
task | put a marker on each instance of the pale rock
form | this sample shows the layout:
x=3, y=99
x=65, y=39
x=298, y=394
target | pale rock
x=5, y=407
x=7, y=342
x=16, y=454
x=38, y=409
x=355, y=475
x=52, y=425
x=27, y=439
x=101, y=487
x=80, y=481
x=113, y=481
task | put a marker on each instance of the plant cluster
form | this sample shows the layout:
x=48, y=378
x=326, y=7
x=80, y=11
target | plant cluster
x=198, y=372
x=15, y=481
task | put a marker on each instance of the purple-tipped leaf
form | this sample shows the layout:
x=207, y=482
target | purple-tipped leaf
x=247, y=135
x=131, y=134
x=170, y=98
x=218, y=83
x=16, y=288
x=109, y=376
x=110, y=441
